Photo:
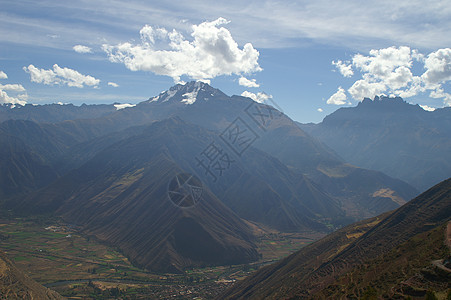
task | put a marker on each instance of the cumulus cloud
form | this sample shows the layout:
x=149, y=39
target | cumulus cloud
x=248, y=82
x=427, y=108
x=211, y=52
x=19, y=94
x=438, y=67
x=260, y=97
x=122, y=106
x=390, y=71
x=339, y=98
x=82, y=49
x=364, y=88
x=12, y=87
x=113, y=84
x=12, y=93
x=344, y=68
x=63, y=76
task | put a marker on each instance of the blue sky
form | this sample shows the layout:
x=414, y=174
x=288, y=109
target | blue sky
x=311, y=57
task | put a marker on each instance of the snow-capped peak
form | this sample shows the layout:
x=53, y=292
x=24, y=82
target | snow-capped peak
x=187, y=93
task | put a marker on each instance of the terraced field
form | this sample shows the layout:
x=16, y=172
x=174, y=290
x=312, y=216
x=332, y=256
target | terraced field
x=78, y=266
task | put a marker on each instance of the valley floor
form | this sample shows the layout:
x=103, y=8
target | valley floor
x=58, y=256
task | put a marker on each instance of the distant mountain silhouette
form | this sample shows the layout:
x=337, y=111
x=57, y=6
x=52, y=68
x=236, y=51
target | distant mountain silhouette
x=53, y=113
x=392, y=136
x=324, y=268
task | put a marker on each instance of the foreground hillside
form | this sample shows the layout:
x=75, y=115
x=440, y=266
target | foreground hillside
x=14, y=284
x=379, y=256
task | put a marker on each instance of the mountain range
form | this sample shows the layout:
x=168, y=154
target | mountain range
x=110, y=174
x=53, y=113
x=392, y=136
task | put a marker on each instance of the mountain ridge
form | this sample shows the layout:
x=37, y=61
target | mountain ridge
x=391, y=136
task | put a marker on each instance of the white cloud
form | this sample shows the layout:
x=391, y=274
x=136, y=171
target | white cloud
x=267, y=23
x=427, y=108
x=12, y=87
x=60, y=75
x=345, y=69
x=389, y=71
x=320, y=110
x=19, y=93
x=259, y=97
x=17, y=98
x=438, y=67
x=440, y=93
x=339, y=98
x=248, y=82
x=212, y=52
x=82, y=49
x=113, y=84
x=363, y=88
x=122, y=106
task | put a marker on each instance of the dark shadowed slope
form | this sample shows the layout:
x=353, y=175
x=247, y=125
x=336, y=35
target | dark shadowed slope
x=392, y=136
x=22, y=170
x=121, y=197
x=316, y=266
x=14, y=284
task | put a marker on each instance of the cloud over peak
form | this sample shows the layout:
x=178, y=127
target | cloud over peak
x=390, y=71
x=339, y=98
x=58, y=75
x=19, y=93
x=248, y=82
x=259, y=97
x=211, y=52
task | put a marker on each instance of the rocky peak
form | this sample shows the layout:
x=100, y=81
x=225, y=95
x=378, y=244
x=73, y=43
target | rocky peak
x=188, y=93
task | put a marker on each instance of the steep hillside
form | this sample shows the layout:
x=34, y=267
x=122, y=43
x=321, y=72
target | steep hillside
x=411, y=269
x=22, y=170
x=389, y=135
x=14, y=284
x=317, y=266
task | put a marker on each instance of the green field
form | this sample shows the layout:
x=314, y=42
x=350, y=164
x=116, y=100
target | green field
x=80, y=267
